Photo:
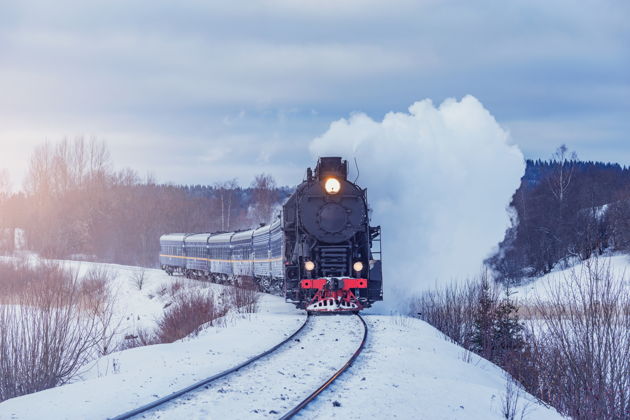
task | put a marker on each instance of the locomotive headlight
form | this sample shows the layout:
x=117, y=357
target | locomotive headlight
x=309, y=265
x=332, y=186
x=358, y=266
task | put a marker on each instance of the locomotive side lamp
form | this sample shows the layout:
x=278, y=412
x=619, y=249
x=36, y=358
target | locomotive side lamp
x=332, y=186
x=358, y=266
x=309, y=265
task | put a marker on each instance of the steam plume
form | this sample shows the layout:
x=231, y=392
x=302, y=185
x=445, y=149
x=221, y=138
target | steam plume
x=439, y=180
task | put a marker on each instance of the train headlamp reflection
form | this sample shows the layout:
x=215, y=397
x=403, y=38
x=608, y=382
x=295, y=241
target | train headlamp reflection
x=332, y=186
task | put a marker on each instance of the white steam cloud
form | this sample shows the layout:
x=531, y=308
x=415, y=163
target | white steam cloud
x=439, y=181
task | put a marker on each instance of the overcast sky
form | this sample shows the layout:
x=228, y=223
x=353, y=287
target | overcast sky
x=204, y=91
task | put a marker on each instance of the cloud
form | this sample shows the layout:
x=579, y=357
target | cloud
x=161, y=74
x=439, y=180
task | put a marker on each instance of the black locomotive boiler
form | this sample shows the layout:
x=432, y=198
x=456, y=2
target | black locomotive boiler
x=321, y=253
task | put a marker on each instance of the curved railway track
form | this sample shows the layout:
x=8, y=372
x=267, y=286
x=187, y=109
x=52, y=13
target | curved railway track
x=330, y=380
x=174, y=397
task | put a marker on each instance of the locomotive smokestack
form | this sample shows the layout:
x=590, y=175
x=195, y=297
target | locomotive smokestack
x=331, y=166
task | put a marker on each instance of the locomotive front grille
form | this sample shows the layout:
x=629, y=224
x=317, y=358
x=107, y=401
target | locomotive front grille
x=333, y=260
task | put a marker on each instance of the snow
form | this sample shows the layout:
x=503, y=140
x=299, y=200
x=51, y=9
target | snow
x=124, y=380
x=407, y=370
x=274, y=385
x=540, y=287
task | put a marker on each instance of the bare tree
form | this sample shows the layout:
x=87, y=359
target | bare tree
x=560, y=180
x=7, y=233
x=5, y=183
x=226, y=191
x=138, y=277
x=58, y=168
x=264, y=198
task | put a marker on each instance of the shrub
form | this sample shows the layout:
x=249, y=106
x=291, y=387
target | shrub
x=451, y=310
x=142, y=337
x=581, y=353
x=138, y=277
x=243, y=297
x=575, y=355
x=190, y=311
x=48, y=333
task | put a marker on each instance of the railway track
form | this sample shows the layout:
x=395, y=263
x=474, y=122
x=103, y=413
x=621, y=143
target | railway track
x=217, y=395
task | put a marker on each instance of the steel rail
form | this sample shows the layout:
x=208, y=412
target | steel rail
x=177, y=394
x=330, y=380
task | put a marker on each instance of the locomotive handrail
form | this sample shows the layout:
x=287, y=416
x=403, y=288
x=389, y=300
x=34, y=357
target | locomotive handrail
x=330, y=380
x=177, y=394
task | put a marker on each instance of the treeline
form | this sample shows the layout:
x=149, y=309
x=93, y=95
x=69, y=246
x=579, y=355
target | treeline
x=75, y=204
x=564, y=210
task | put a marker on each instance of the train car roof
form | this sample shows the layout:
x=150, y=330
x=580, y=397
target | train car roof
x=220, y=237
x=261, y=230
x=173, y=237
x=198, y=237
x=239, y=236
x=275, y=224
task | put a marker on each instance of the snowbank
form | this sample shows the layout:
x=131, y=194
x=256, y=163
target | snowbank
x=124, y=380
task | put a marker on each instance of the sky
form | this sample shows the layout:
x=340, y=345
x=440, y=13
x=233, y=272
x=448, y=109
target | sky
x=202, y=91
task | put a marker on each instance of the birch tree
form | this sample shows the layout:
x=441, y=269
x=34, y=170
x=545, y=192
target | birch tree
x=560, y=179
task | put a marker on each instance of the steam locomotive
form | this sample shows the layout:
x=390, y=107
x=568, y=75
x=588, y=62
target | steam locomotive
x=321, y=252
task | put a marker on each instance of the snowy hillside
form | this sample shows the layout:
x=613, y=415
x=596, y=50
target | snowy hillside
x=541, y=287
x=407, y=369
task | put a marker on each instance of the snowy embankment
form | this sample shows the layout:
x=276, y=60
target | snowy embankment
x=407, y=369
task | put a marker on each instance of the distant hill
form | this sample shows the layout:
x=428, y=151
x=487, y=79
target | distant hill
x=564, y=209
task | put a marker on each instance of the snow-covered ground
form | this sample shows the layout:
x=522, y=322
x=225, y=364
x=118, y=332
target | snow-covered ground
x=407, y=369
x=540, y=287
x=124, y=380
x=272, y=386
x=134, y=309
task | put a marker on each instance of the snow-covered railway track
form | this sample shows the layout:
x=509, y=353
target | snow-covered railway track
x=330, y=380
x=277, y=381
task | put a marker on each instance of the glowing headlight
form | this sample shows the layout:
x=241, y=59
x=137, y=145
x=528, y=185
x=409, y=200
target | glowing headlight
x=332, y=186
x=358, y=266
x=309, y=265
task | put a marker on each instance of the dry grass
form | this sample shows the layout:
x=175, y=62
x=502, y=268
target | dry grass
x=536, y=311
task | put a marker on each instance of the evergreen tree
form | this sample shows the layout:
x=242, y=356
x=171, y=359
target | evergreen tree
x=497, y=331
